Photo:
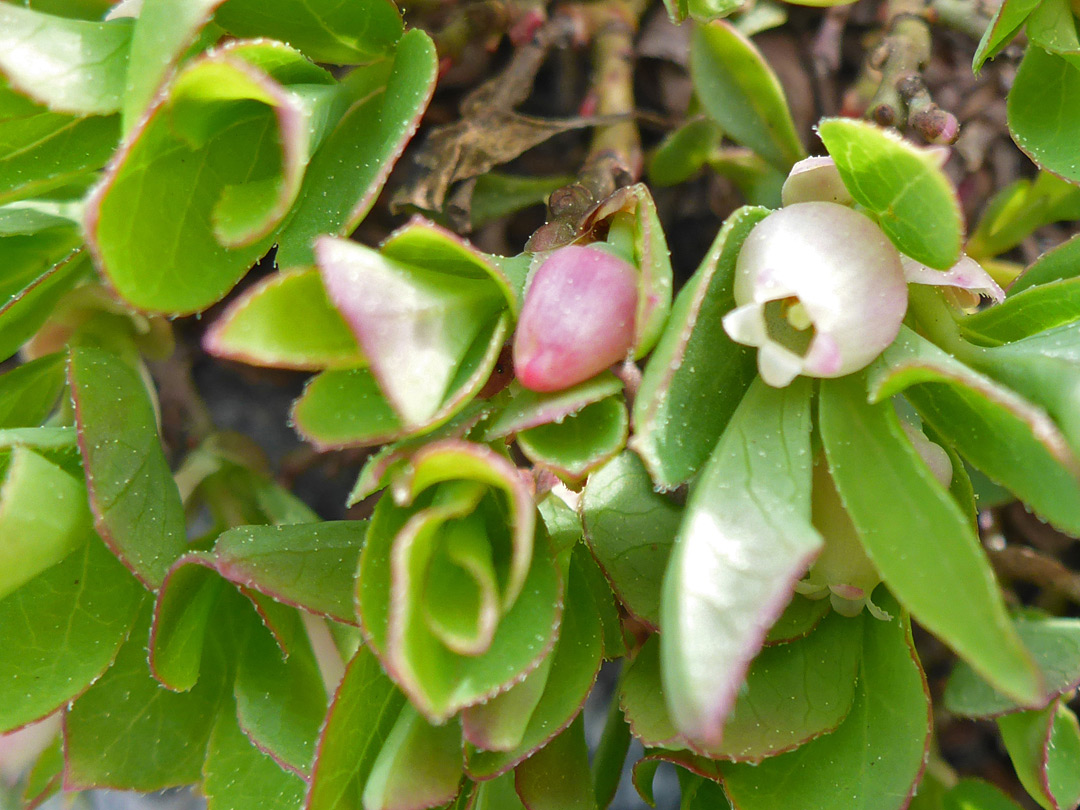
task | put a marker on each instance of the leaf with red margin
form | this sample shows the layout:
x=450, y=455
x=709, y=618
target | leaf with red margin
x=281, y=700
x=745, y=540
x=308, y=566
x=134, y=499
x=528, y=409
x=694, y=380
x=425, y=328
x=163, y=31
x=368, y=140
x=1044, y=747
x=646, y=767
x=364, y=710
x=793, y=693
x=23, y=313
x=45, y=777
x=61, y=631
x=109, y=746
x=876, y=757
x=580, y=443
x=557, y=776
x=419, y=765
x=630, y=528
x=237, y=776
x=345, y=408
x=284, y=321
x=918, y=536
x=199, y=186
x=1055, y=645
x=29, y=392
x=1007, y=437
x=496, y=794
x=575, y=662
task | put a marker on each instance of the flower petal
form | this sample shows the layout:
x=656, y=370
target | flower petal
x=746, y=325
x=777, y=365
x=966, y=274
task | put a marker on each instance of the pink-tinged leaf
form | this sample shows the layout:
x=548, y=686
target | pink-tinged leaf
x=369, y=139
x=745, y=540
x=575, y=662
x=284, y=321
x=500, y=723
x=417, y=326
x=646, y=767
x=875, y=759
x=577, y=320
x=557, y=776
x=365, y=708
x=206, y=177
x=1044, y=747
x=580, y=443
x=134, y=499
x=419, y=765
x=966, y=274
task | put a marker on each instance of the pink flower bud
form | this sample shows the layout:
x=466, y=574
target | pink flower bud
x=578, y=318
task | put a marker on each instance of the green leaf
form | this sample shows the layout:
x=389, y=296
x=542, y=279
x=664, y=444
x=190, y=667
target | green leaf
x=1018, y=210
x=1044, y=747
x=281, y=702
x=497, y=794
x=421, y=328
x=188, y=598
x=106, y=744
x=1004, y=26
x=206, y=177
x=581, y=442
x=1012, y=441
x=574, y=665
x=1058, y=264
x=792, y=693
x=741, y=93
x=23, y=313
x=500, y=723
x=1055, y=645
x=61, y=631
x=134, y=499
x=70, y=66
x=902, y=186
x=345, y=409
x=873, y=761
x=528, y=409
x=41, y=150
x=238, y=776
x=974, y=794
x=610, y=755
x=285, y=321
x=1052, y=27
x=694, y=380
x=683, y=152
x=368, y=140
x=362, y=714
x=419, y=765
x=798, y=620
x=749, y=511
x=326, y=30
x=43, y=517
x=557, y=776
x=1026, y=313
x=45, y=777
x=919, y=538
x=606, y=603
x=630, y=529
x=309, y=566
x=1042, y=115
x=28, y=393
x=164, y=30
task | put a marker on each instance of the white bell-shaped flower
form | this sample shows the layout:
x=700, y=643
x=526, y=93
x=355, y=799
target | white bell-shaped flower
x=819, y=289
